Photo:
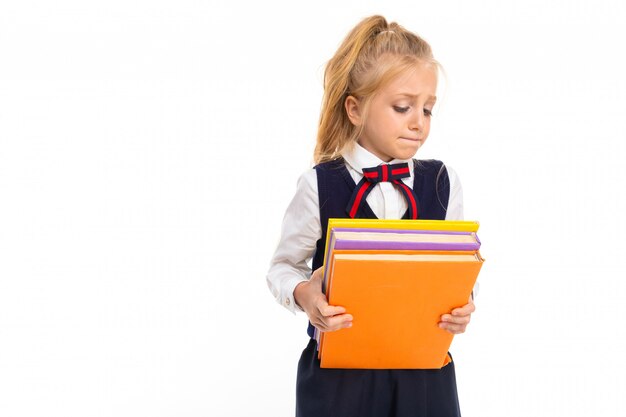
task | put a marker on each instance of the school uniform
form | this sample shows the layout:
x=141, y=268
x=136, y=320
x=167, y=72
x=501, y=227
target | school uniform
x=326, y=192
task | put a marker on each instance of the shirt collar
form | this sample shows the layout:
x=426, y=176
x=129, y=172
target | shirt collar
x=358, y=158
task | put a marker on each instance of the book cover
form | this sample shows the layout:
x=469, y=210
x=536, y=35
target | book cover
x=396, y=300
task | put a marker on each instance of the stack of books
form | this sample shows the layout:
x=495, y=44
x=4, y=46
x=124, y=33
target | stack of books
x=396, y=278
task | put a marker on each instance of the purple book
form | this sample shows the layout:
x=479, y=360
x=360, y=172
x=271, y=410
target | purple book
x=383, y=239
x=398, y=239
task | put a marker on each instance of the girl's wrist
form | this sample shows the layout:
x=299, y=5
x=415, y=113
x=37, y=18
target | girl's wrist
x=297, y=293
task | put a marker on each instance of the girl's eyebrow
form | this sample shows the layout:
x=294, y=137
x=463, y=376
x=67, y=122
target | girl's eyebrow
x=434, y=98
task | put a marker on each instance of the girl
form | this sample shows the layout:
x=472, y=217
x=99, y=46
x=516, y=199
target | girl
x=379, y=93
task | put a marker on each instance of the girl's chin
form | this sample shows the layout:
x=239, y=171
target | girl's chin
x=407, y=152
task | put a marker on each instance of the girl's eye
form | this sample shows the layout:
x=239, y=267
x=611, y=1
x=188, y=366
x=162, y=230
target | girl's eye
x=427, y=112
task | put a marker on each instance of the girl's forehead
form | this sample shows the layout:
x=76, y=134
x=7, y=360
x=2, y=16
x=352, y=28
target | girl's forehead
x=418, y=81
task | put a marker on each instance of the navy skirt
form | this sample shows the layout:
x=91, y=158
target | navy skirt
x=323, y=392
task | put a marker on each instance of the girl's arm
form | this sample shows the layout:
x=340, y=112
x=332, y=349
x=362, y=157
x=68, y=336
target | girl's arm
x=290, y=276
x=299, y=234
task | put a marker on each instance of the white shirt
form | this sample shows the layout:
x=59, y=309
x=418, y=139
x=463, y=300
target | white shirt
x=301, y=228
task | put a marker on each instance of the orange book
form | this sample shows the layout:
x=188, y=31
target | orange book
x=396, y=299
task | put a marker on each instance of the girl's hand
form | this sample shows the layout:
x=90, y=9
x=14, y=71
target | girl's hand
x=311, y=299
x=456, y=322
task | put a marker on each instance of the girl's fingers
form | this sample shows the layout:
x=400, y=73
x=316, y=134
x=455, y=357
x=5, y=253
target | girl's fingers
x=465, y=310
x=326, y=309
x=329, y=318
x=448, y=318
x=453, y=328
x=338, y=322
x=455, y=323
x=329, y=311
x=320, y=325
x=329, y=324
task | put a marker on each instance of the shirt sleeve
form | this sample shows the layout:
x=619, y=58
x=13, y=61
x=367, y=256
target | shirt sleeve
x=455, y=207
x=300, y=231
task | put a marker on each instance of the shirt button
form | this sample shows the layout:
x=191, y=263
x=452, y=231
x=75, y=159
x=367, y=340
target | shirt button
x=287, y=301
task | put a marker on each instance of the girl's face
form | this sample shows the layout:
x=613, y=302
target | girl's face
x=398, y=122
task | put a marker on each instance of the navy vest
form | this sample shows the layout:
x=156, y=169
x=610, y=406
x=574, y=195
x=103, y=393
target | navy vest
x=335, y=186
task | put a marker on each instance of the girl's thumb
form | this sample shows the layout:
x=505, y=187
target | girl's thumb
x=318, y=274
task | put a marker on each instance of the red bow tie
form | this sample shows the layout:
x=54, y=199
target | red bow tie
x=386, y=173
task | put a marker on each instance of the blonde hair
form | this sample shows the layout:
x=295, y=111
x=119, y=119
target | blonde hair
x=371, y=55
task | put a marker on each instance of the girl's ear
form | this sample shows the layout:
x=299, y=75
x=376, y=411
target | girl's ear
x=353, y=110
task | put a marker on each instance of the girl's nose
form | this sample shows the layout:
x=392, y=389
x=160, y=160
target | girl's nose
x=417, y=122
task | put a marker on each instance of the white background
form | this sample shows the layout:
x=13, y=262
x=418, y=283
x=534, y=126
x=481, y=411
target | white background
x=148, y=150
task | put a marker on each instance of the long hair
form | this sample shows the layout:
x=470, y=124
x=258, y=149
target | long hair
x=371, y=55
